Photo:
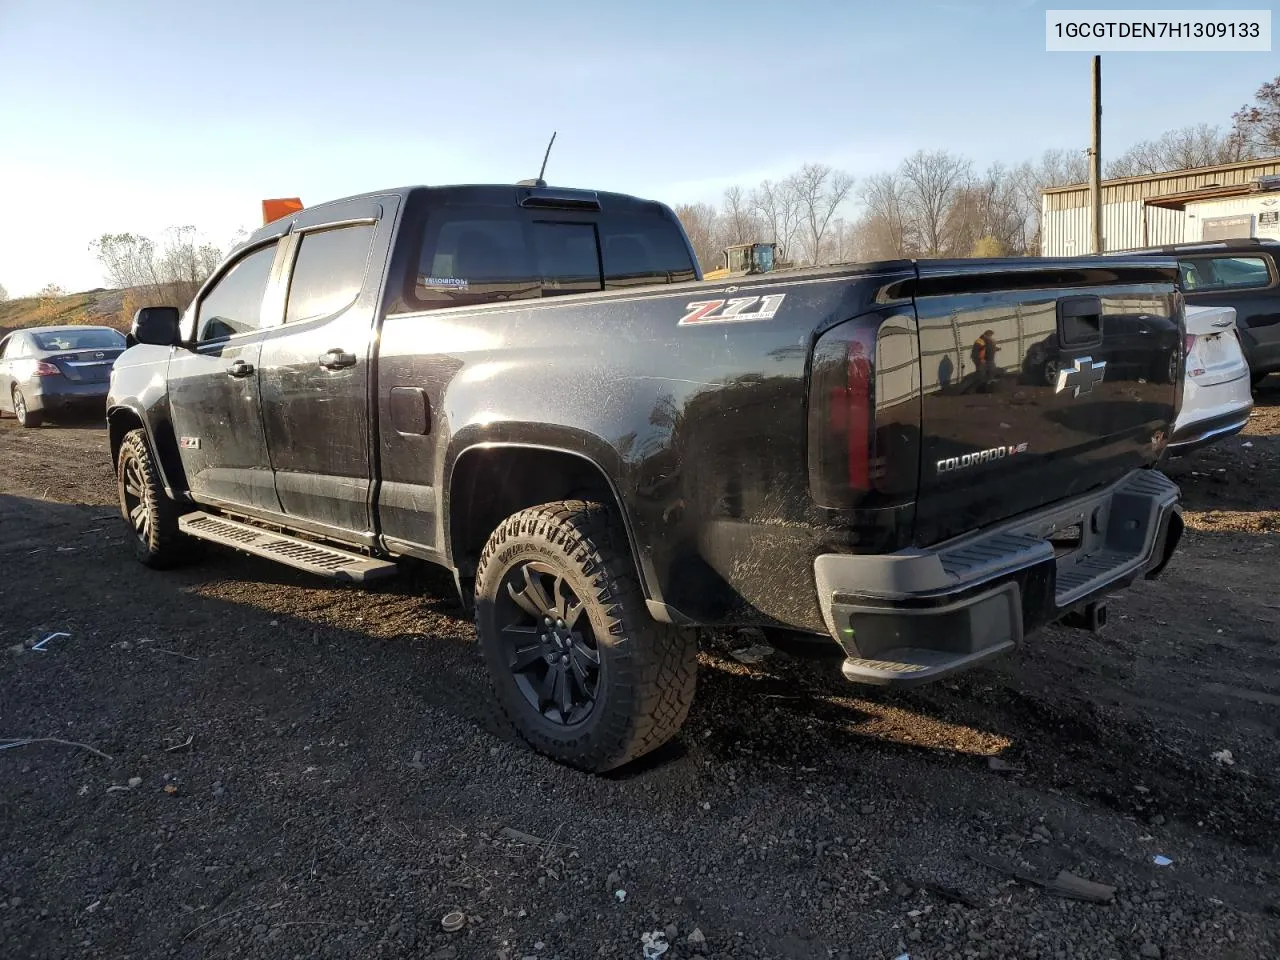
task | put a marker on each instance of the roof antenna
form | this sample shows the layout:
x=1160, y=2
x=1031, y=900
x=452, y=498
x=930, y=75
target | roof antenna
x=540, y=182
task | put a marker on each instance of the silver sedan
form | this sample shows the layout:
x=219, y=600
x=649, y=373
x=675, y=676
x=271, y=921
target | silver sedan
x=51, y=370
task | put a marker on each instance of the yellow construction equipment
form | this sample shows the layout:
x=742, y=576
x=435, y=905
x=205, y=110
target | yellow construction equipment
x=743, y=259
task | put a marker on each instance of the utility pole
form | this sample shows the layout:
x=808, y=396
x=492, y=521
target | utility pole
x=1095, y=157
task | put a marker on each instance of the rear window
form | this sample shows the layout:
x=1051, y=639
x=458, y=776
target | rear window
x=328, y=272
x=95, y=339
x=1224, y=273
x=640, y=250
x=487, y=255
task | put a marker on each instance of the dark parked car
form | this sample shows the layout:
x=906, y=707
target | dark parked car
x=1244, y=274
x=532, y=388
x=52, y=370
x=1146, y=347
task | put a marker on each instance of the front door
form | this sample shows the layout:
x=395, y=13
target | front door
x=314, y=370
x=213, y=389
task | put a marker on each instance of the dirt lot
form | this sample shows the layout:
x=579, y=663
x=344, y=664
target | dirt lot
x=315, y=772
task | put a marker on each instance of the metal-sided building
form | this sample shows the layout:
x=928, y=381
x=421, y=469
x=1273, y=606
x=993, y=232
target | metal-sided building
x=1204, y=203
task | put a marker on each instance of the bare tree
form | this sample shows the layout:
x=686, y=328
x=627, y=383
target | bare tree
x=1258, y=124
x=882, y=231
x=779, y=213
x=740, y=222
x=1055, y=168
x=1196, y=146
x=819, y=191
x=185, y=263
x=169, y=274
x=127, y=259
x=932, y=181
x=4, y=294
x=986, y=208
x=701, y=223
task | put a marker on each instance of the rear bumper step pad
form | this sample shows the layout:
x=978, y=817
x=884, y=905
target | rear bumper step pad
x=920, y=614
x=321, y=559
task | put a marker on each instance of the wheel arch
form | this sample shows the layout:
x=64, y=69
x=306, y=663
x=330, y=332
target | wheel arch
x=124, y=417
x=515, y=474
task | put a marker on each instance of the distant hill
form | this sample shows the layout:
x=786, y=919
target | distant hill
x=96, y=307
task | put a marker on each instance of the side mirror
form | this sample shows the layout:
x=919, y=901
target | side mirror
x=155, y=325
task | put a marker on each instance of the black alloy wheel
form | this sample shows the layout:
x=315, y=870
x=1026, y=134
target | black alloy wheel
x=552, y=652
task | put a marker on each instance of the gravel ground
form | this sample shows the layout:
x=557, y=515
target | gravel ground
x=299, y=769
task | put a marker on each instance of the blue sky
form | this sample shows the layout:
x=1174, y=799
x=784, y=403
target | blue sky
x=136, y=115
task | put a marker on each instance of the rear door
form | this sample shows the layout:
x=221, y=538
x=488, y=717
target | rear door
x=213, y=387
x=998, y=445
x=314, y=369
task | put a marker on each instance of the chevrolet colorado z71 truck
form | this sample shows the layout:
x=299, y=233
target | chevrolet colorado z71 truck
x=533, y=388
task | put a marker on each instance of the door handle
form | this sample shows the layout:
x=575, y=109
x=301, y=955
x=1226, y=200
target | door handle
x=240, y=369
x=336, y=359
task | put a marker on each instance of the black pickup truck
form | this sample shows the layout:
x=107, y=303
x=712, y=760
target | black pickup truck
x=534, y=388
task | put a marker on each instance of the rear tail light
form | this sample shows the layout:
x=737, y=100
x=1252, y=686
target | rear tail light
x=840, y=416
x=863, y=448
x=1188, y=342
x=46, y=369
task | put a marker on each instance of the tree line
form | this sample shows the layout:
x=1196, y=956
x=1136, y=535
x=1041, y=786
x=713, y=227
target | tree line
x=936, y=204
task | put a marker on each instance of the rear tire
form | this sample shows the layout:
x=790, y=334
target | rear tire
x=26, y=417
x=151, y=516
x=578, y=666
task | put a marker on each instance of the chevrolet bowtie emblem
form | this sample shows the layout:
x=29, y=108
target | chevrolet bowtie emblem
x=1083, y=376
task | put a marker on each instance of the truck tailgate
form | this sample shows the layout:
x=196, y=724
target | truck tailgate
x=1040, y=380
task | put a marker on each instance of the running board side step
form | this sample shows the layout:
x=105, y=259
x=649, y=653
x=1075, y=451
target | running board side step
x=321, y=559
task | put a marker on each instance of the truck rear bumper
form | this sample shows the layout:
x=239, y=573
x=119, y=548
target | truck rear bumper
x=918, y=615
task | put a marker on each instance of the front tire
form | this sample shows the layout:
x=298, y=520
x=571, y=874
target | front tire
x=151, y=516
x=27, y=417
x=578, y=666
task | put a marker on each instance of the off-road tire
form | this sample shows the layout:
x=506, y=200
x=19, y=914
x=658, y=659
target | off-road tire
x=160, y=544
x=648, y=669
x=28, y=418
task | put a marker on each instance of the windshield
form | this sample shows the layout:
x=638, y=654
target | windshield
x=92, y=338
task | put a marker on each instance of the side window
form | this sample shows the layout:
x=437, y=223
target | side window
x=471, y=257
x=8, y=348
x=1224, y=273
x=1241, y=273
x=477, y=255
x=1192, y=278
x=643, y=250
x=234, y=305
x=328, y=272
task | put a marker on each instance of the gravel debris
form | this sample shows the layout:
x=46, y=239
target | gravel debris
x=844, y=821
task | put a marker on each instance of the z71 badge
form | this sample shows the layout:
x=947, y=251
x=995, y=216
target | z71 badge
x=732, y=310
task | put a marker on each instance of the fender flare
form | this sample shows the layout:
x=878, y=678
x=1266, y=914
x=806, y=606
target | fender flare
x=162, y=442
x=570, y=441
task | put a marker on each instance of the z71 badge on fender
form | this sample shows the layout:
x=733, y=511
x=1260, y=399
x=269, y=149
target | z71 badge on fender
x=732, y=310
